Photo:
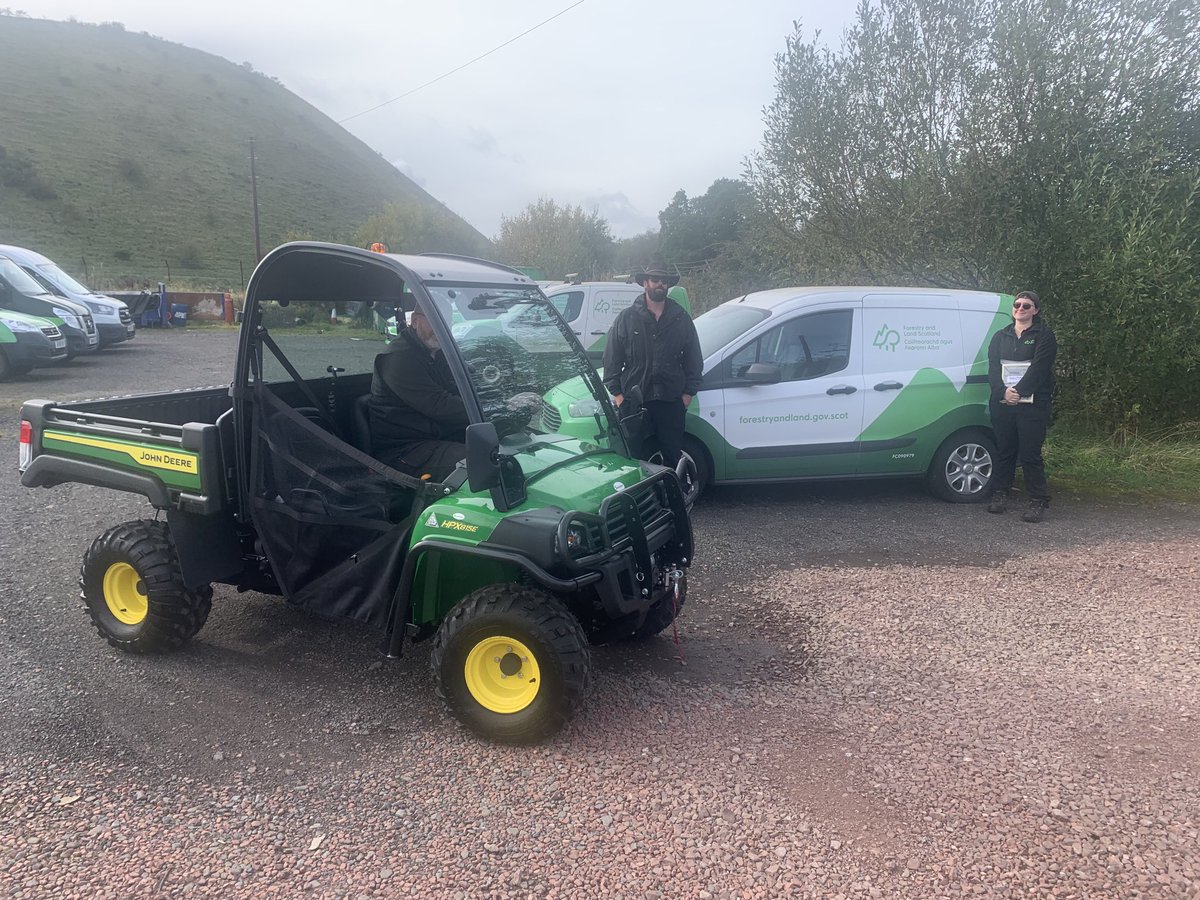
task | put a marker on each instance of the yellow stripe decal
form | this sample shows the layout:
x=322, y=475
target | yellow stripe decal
x=153, y=457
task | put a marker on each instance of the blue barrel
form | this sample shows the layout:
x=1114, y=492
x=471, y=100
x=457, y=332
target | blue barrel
x=179, y=314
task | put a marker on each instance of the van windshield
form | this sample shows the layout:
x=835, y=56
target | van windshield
x=726, y=323
x=61, y=279
x=20, y=280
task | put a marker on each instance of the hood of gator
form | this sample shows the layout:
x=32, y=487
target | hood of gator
x=571, y=473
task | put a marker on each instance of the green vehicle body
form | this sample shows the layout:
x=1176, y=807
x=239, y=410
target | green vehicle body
x=921, y=384
x=269, y=485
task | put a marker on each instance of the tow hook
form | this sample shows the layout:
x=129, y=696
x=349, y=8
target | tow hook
x=674, y=578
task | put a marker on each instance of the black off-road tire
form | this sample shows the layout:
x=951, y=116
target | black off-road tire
x=150, y=610
x=511, y=616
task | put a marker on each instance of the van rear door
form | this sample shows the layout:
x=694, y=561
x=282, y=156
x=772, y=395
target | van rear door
x=914, y=371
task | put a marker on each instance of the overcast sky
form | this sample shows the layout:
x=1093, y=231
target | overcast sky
x=614, y=105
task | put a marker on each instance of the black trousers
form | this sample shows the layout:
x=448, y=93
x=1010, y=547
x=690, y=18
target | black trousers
x=660, y=431
x=1020, y=433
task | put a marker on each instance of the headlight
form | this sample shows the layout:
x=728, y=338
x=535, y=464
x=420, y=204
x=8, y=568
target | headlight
x=578, y=542
x=101, y=309
x=67, y=316
x=18, y=324
x=582, y=409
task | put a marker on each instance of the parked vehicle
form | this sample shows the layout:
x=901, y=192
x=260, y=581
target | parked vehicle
x=591, y=307
x=535, y=545
x=26, y=342
x=21, y=293
x=818, y=382
x=114, y=323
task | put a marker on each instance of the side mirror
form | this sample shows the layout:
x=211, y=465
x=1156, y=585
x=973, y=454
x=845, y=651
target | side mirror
x=761, y=373
x=483, y=465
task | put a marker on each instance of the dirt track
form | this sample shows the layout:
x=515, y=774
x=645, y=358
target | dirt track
x=879, y=695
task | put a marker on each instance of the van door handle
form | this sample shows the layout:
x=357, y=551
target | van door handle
x=888, y=386
x=842, y=389
x=599, y=332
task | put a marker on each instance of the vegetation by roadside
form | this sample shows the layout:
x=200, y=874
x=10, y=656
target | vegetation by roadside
x=1151, y=465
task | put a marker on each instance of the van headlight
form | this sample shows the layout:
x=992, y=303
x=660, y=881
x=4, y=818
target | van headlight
x=67, y=316
x=18, y=324
x=584, y=409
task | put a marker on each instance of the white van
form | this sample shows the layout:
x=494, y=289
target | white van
x=113, y=322
x=590, y=308
x=838, y=382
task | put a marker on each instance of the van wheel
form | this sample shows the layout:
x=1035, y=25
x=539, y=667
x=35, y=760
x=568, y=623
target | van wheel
x=133, y=590
x=961, y=471
x=701, y=468
x=511, y=663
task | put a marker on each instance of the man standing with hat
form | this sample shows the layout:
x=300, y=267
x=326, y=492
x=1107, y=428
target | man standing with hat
x=653, y=344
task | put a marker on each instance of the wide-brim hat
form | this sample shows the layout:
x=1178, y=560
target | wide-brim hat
x=656, y=270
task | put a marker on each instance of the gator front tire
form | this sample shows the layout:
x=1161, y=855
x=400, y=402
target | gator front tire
x=133, y=590
x=511, y=663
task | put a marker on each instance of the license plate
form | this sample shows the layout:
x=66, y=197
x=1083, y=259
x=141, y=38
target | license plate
x=130, y=330
x=59, y=345
x=93, y=339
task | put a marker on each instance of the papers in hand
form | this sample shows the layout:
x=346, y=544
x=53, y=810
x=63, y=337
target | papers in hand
x=1012, y=372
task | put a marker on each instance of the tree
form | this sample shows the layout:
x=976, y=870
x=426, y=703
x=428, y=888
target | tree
x=559, y=240
x=1049, y=144
x=697, y=231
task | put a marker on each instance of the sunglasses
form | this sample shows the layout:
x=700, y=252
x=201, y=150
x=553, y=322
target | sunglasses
x=656, y=279
x=1022, y=306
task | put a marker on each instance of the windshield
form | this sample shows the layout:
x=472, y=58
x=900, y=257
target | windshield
x=719, y=326
x=22, y=282
x=516, y=347
x=61, y=279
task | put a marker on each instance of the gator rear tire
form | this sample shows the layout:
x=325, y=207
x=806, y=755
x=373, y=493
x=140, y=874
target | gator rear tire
x=133, y=590
x=511, y=663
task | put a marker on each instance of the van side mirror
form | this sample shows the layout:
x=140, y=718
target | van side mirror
x=483, y=463
x=761, y=373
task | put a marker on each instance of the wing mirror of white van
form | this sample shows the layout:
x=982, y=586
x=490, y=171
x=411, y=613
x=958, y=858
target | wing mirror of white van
x=761, y=373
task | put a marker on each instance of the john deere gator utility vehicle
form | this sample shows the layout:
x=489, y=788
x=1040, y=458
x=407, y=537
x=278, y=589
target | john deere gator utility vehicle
x=534, y=546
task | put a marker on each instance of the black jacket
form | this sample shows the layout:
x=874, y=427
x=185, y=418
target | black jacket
x=662, y=355
x=413, y=397
x=1037, y=345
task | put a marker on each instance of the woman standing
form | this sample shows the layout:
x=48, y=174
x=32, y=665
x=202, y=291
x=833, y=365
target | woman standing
x=1020, y=408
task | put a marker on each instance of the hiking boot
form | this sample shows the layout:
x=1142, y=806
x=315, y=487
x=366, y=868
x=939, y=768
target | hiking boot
x=1037, y=509
x=999, y=502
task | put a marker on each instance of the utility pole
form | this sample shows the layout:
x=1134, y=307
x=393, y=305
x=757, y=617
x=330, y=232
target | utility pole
x=254, y=200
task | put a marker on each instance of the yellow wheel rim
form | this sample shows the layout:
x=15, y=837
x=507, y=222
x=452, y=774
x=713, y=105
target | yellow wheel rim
x=502, y=674
x=125, y=593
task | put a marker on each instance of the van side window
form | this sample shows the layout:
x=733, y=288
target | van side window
x=568, y=303
x=805, y=347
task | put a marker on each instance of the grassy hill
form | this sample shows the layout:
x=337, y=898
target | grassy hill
x=129, y=155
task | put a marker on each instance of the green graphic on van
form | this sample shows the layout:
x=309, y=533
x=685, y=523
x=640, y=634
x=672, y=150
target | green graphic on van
x=886, y=338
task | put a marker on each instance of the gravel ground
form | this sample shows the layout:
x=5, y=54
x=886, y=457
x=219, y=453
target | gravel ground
x=876, y=695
